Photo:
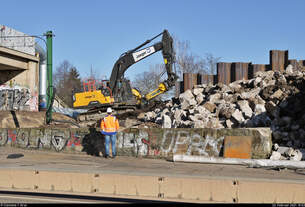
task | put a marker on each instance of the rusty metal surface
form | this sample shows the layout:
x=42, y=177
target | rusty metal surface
x=205, y=79
x=189, y=79
x=177, y=88
x=240, y=71
x=224, y=72
x=302, y=64
x=278, y=59
x=255, y=68
x=238, y=147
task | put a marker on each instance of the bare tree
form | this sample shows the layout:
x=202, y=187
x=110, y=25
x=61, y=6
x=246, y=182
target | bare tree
x=66, y=80
x=61, y=73
x=146, y=82
x=211, y=63
x=187, y=62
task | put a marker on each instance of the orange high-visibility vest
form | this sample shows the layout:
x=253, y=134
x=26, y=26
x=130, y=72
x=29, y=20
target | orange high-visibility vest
x=110, y=124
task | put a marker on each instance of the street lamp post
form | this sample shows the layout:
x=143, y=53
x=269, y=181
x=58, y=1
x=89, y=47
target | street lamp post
x=50, y=94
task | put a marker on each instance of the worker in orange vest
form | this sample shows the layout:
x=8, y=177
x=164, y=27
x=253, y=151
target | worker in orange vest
x=110, y=127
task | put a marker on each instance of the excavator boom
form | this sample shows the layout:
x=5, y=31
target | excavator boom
x=121, y=92
x=121, y=88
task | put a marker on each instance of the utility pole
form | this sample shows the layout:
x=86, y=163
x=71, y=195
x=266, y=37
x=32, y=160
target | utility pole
x=50, y=94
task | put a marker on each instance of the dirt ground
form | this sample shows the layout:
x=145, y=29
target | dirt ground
x=27, y=119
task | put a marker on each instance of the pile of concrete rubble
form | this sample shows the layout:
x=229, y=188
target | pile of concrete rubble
x=270, y=99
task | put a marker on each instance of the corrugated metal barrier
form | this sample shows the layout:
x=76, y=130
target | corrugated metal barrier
x=189, y=79
x=254, y=68
x=228, y=72
x=278, y=60
x=239, y=71
x=205, y=79
x=224, y=72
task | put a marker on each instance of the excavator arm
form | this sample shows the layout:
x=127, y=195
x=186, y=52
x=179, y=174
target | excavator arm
x=120, y=86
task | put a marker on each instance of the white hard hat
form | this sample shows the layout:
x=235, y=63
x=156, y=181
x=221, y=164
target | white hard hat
x=109, y=110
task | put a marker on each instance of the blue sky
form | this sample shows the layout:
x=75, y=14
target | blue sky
x=96, y=32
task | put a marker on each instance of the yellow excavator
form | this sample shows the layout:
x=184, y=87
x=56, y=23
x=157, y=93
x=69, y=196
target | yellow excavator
x=117, y=92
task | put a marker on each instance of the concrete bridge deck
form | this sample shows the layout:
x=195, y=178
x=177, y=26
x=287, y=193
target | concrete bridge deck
x=155, y=179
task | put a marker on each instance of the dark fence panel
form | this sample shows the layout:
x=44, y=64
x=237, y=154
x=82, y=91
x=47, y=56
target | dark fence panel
x=205, y=79
x=229, y=72
x=254, y=68
x=224, y=72
x=189, y=79
x=278, y=59
x=239, y=71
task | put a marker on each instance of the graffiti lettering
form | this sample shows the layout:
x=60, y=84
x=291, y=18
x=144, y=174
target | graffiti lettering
x=182, y=139
x=3, y=137
x=148, y=142
x=59, y=139
x=164, y=140
x=74, y=140
x=44, y=140
x=11, y=135
x=16, y=98
x=22, y=138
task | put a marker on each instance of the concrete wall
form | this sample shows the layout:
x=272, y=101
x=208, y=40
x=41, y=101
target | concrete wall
x=18, y=98
x=155, y=142
x=19, y=88
x=22, y=44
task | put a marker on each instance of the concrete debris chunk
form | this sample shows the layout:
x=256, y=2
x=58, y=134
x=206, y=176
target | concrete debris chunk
x=215, y=97
x=259, y=108
x=200, y=98
x=289, y=69
x=167, y=122
x=245, y=108
x=275, y=155
x=238, y=116
x=197, y=91
x=272, y=99
x=296, y=155
x=210, y=106
x=277, y=94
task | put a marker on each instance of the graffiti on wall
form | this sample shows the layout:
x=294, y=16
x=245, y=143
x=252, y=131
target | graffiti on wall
x=17, y=98
x=3, y=137
x=36, y=138
x=75, y=139
x=171, y=141
x=146, y=142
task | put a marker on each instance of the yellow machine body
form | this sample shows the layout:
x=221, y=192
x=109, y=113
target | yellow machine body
x=84, y=99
